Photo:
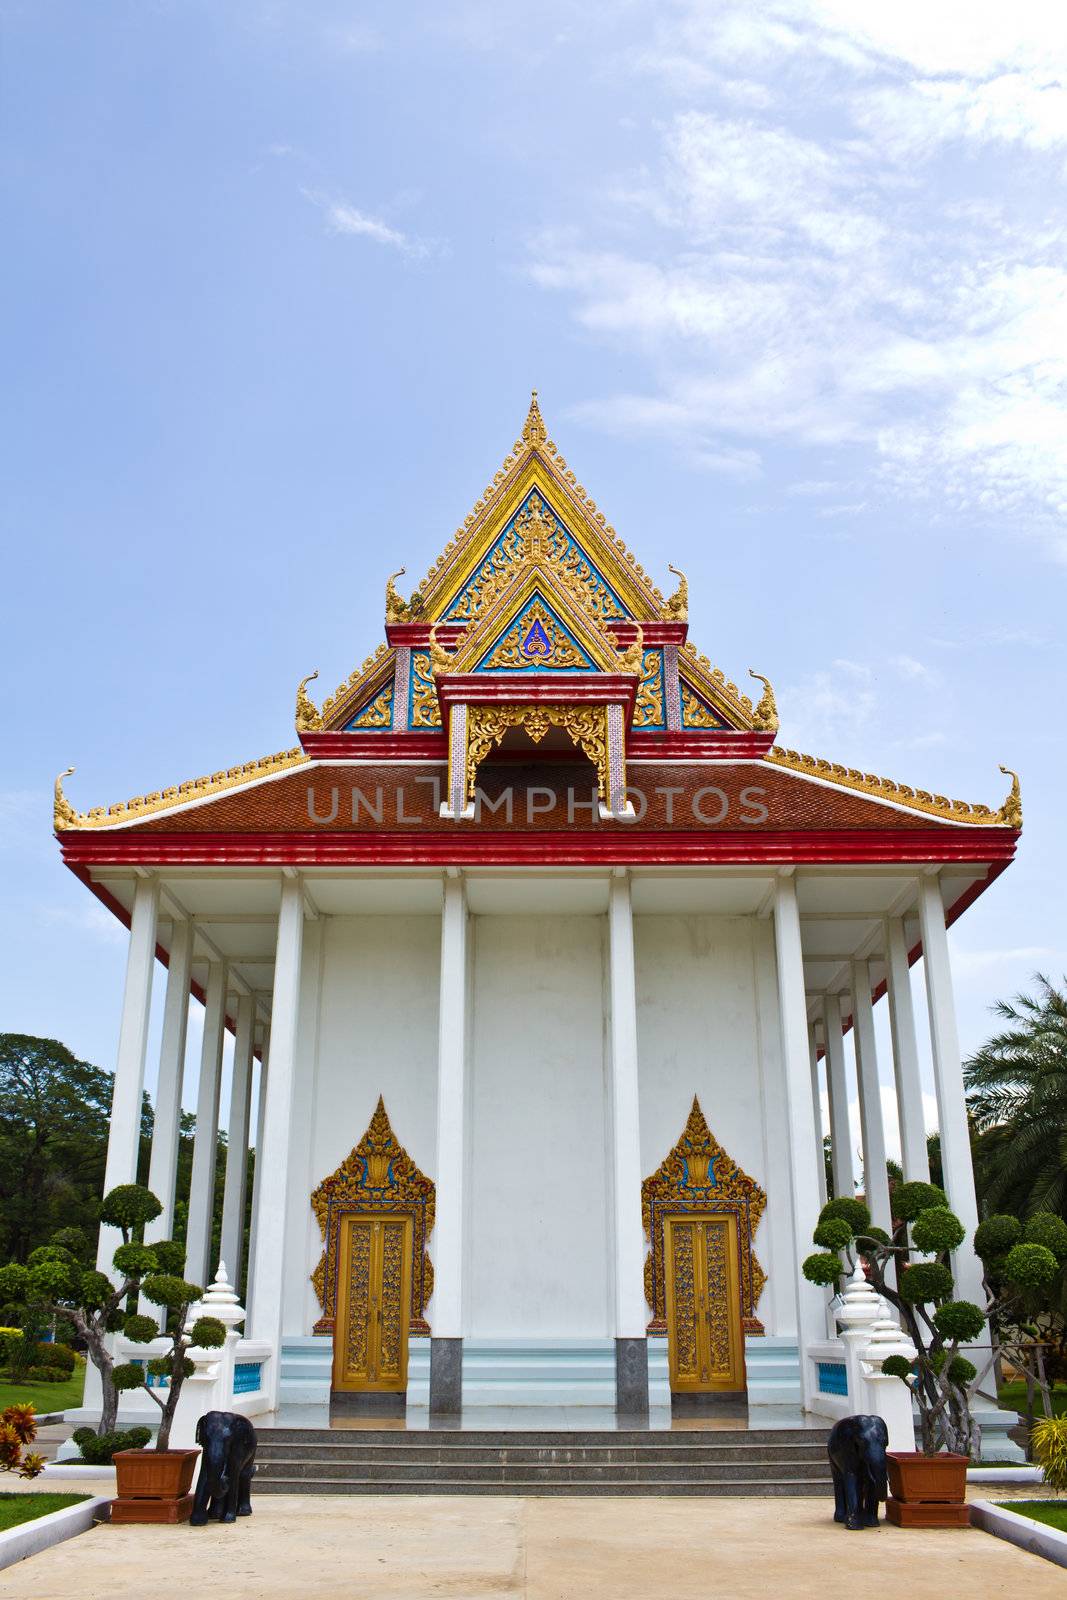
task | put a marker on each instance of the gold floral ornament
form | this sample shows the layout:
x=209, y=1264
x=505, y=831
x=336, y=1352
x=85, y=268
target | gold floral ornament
x=632, y=660
x=308, y=718
x=586, y=725
x=699, y=1176
x=535, y=641
x=1011, y=812
x=440, y=658
x=648, y=708
x=677, y=607
x=378, y=1175
x=534, y=432
x=765, y=716
x=63, y=813
x=425, y=711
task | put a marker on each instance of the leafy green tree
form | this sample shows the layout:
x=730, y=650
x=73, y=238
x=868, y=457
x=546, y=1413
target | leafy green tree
x=172, y=1292
x=54, y=1283
x=54, y=1115
x=1017, y=1093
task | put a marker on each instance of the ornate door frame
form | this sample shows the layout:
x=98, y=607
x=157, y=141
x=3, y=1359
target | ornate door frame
x=377, y=1175
x=698, y=1175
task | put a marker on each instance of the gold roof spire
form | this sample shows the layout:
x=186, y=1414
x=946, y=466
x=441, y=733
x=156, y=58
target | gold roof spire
x=534, y=431
x=1011, y=812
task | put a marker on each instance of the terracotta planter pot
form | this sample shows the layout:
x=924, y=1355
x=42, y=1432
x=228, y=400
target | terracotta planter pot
x=153, y=1485
x=927, y=1491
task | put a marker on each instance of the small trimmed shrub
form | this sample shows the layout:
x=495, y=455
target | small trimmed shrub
x=833, y=1234
x=98, y=1449
x=925, y=1281
x=959, y=1320
x=995, y=1236
x=1045, y=1228
x=57, y=1355
x=822, y=1269
x=937, y=1229
x=911, y=1198
x=854, y=1212
x=1031, y=1266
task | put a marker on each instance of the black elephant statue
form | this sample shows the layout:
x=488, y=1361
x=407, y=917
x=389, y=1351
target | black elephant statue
x=857, y=1447
x=224, y=1487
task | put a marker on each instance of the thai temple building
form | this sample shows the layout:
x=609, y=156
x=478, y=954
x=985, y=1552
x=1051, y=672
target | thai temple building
x=548, y=953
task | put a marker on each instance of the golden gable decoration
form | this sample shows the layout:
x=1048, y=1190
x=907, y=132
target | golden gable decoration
x=698, y=1175
x=378, y=1175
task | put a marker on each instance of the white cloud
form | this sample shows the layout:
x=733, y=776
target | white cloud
x=790, y=272
x=343, y=218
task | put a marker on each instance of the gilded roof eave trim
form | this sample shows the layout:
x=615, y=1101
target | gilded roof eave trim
x=362, y=683
x=938, y=806
x=179, y=796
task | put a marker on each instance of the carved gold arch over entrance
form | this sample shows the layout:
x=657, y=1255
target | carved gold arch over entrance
x=586, y=725
x=378, y=1175
x=698, y=1175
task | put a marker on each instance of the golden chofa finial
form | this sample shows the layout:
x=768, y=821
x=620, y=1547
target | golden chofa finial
x=633, y=659
x=308, y=717
x=677, y=607
x=1011, y=812
x=396, y=607
x=440, y=659
x=534, y=431
x=765, y=715
x=63, y=813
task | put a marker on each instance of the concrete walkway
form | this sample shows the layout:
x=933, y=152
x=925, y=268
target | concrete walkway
x=410, y=1547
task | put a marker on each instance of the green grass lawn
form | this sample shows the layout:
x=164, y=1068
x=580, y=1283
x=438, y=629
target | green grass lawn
x=45, y=1397
x=1013, y=1398
x=16, y=1508
x=1051, y=1512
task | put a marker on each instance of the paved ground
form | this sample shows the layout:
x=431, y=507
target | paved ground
x=417, y=1547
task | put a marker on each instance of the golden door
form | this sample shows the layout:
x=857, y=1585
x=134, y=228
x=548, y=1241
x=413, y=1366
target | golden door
x=370, y=1340
x=705, y=1346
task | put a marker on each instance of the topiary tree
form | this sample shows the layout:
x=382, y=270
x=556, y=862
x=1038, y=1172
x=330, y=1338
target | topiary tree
x=922, y=1293
x=55, y=1282
x=176, y=1296
x=1024, y=1266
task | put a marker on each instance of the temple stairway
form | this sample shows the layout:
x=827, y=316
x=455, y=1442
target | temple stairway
x=770, y=1461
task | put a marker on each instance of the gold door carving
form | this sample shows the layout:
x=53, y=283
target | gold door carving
x=370, y=1347
x=699, y=1176
x=377, y=1176
x=705, y=1342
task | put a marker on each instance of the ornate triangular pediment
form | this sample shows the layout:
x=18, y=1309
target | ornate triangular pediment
x=536, y=624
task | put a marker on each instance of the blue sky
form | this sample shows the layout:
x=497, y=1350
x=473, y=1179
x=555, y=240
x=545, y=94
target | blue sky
x=790, y=279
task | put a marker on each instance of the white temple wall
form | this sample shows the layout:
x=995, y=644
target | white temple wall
x=367, y=1028
x=707, y=1025
x=538, y=1248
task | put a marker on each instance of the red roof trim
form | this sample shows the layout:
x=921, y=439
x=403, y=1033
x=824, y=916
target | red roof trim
x=615, y=843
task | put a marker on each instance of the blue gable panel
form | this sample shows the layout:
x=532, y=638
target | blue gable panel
x=563, y=548
x=536, y=641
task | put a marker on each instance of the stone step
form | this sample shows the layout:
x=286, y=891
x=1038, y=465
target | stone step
x=543, y=1439
x=688, y=1485
x=352, y=1453
x=424, y=1474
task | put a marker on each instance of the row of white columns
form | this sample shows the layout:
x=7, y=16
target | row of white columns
x=957, y=1172
x=265, y=1289
x=125, y=1132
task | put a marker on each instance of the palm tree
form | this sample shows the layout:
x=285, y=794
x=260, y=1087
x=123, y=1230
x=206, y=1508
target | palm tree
x=1017, y=1096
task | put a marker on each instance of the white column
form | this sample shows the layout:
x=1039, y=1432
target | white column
x=803, y=1181
x=956, y=1166
x=816, y=1106
x=837, y=1085
x=875, y=1178
x=206, y=1142
x=257, y=1174
x=447, y=1240
x=265, y=1312
x=124, y=1137
x=231, y=1247
x=446, y=1306
x=631, y=1308
x=166, y=1126
x=913, y=1154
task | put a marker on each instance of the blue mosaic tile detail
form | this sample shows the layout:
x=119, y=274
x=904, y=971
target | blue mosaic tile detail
x=833, y=1377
